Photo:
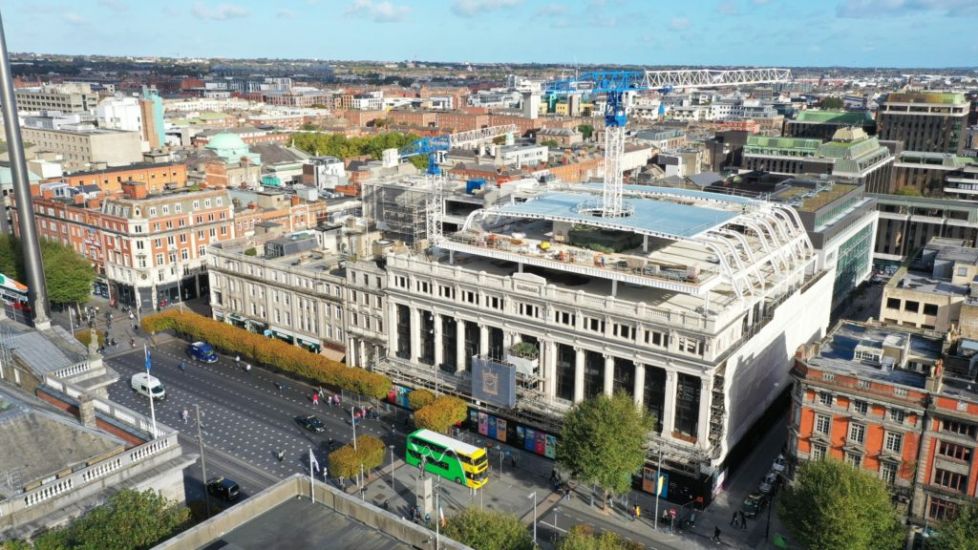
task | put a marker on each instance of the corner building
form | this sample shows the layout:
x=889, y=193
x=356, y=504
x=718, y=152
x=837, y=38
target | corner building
x=693, y=304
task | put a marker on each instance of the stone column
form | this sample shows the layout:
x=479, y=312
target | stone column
x=548, y=367
x=669, y=403
x=439, y=352
x=609, y=375
x=352, y=355
x=483, y=340
x=393, y=342
x=639, y=390
x=578, y=375
x=508, y=339
x=415, y=334
x=459, y=345
x=703, y=423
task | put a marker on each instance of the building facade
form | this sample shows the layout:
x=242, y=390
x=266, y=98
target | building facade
x=925, y=121
x=81, y=149
x=67, y=98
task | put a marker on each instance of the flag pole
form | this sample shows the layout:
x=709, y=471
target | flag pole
x=312, y=479
x=152, y=409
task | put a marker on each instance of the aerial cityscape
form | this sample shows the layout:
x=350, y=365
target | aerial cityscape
x=489, y=274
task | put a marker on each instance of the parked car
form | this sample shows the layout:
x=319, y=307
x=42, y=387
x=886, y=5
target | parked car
x=753, y=504
x=779, y=464
x=311, y=423
x=202, y=351
x=766, y=488
x=147, y=385
x=223, y=488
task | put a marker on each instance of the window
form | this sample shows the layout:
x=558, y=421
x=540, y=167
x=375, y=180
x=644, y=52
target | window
x=892, y=303
x=911, y=306
x=495, y=302
x=930, y=309
x=823, y=424
x=959, y=428
x=446, y=292
x=860, y=407
x=656, y=338
x=854, y=460
x=818, y=452
x=624, y=331
x=857, y=433
x=470, y=297
x=159, y=259
x=400, y=281
x=166, y=209
x=953, y=450
x=565, y=318
x=941, y=509
x=898, y=415
x=962, y=271
x=828, y=377
x=863, y=384
x=888, y=471
x=893, y=442
x=951, y=480
x=825, y=398
x=529, y=310
x=900, y=392
x=594, y=325
x=690, y=345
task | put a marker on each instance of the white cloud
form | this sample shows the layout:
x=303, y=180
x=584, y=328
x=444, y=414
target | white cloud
x=882, y=8
x=553, y=10
x=285, y=14
x=679, y=23
x=220, y=12
x=74, y=18
x=727, y=7
x=114, y=5
x=471, y=8
x=380, y=12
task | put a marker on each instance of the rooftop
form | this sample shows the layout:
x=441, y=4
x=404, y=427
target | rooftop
x=947, y=98
x=803, y=145
x=837, y=353
x=855, y=118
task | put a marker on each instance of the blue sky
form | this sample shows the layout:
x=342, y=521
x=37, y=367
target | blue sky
x=893, y=33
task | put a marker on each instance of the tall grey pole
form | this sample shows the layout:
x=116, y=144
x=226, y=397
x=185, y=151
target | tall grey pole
x=37, y=289
x=203, y=463
x=658, y=474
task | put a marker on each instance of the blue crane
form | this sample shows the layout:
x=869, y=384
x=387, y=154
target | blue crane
x=430, y=146
x=615, y=86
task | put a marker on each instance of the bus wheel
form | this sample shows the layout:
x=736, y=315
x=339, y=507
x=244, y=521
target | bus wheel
x=458, y=480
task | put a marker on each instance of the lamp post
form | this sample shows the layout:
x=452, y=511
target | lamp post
x=353, y=422
x=778, y=483
x=533, y=495
x=392, y=469
x=658, y=476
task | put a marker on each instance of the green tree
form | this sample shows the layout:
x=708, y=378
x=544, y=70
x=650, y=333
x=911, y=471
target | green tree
x=68, y=274
x=832, y=505
x=441, y=414
x=11, y=259
x=488, y=530
x=586, y=131
x=958, y=533
x=552, y=143
x=831, y=103
x=346, y=461
x=419, y=398
x=583, y=537
x=602, y=441
x=129, y=520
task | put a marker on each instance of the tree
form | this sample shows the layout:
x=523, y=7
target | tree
x=552, y=143
x=583, y=537
x=602, y=441
x=831, y=103
x=586, y=131
x=959, y=532
x=833, y=505
x=68, y=274
x=129, y=520
x=346, y=461
x=11, y=258
x=419, y=398
x=441, y=414
x=488, y=530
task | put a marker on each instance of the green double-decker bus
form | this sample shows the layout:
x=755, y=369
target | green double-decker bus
x=447, y=457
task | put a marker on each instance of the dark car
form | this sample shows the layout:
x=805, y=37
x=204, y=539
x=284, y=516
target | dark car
x=311, y=423
x=753, y=504
x=223, y=488
x=202, y=351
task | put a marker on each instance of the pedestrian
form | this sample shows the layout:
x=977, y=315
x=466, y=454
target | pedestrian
x=743, y=521
x=315, y=399
x=279, y=386
x=183, y=366
x=637, y=512
x=512, y=459
x=716, y=534
x=132, y=342
x=237, y=359
x=185, y=415
x=280, y=455
x=734, y=519
x=247, y=367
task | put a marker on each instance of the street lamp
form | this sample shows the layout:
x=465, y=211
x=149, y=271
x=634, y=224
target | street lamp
x=392, y=470
x=778, y=483
x=534, y=497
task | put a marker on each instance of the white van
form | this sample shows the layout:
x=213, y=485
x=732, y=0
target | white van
x=143, y=383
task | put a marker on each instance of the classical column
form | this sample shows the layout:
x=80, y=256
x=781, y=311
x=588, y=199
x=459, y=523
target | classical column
x=394, y=341
x=609, y=375
x=639, y=391
x=703, y=424
x=669, y=403
x=459, y=345
x=484, y=340
x=578, y=375
x=352, y=358
x=548, y=367
x=415, y=334
x=508, y=338
x=439, y=352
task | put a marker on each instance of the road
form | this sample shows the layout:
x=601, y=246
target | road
x=245, y=417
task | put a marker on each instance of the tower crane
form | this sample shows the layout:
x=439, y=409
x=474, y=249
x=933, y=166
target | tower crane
x=434, y=146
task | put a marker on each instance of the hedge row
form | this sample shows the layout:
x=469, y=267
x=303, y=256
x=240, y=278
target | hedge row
x=269, y=351
x=346, y=461
x=441, y=414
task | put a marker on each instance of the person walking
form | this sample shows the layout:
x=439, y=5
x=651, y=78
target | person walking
x=183, y=366
x=743, y=521
x=734, y=519
x=637, y=512
x=247, y=367
x=716, y=534
x=185, y=415
x=315, y=399
x=280, y=455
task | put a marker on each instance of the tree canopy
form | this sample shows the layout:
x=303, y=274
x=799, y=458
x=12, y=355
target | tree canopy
x=601, y=441
x=441, y=414
x=68, y=274
x=338, y=145
x=833, y=505
x=583, y=537
x=831, y=103
x=419, y=398
x=346, y=461
x=129, y=520
x=586, y=131
x=959, y=532
x=488, y=530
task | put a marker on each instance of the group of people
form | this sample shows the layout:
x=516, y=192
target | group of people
x=739, y=520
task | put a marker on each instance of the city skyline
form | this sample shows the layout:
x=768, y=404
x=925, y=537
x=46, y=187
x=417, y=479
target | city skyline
x=852, y=33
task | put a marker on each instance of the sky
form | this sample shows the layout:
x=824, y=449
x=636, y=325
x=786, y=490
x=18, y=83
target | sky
x=855, y=33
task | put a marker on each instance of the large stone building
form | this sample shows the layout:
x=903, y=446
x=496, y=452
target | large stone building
x=693, y=308
x=822, y=125
x=928, y=174
x=925, y=121
x=907, y=224
x=67, y=98
x=87, y=149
